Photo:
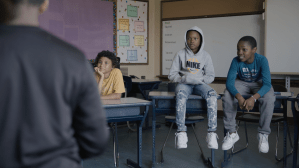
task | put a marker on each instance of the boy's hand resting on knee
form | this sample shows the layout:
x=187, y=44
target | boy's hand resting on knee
x=249, y=104
x=241, y=101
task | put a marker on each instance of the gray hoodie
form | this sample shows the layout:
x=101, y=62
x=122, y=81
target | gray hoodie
x=190, y=68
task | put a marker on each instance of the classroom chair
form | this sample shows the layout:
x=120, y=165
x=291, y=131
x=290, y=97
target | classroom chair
x=254, y=118
x=196, y=105
x=190, y=119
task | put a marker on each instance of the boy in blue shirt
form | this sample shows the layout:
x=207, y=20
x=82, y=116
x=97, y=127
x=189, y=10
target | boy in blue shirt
x=249, y=73
x=193, y=70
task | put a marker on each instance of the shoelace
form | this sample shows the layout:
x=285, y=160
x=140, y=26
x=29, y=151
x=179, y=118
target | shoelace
x=263, y=140
x=227, y=137
x=211, y=134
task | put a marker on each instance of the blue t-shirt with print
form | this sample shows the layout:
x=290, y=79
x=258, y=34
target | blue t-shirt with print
x=257, y=70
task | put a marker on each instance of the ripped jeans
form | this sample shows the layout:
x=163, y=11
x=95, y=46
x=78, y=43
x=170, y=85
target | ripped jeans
x=182, y=92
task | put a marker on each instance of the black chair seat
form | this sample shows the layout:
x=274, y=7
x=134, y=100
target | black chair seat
x=256, y=117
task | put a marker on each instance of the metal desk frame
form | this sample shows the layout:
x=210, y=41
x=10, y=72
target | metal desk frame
x=110, y=105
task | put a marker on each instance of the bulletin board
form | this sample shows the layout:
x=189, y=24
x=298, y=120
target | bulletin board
x=132, y=32
x=88, y=25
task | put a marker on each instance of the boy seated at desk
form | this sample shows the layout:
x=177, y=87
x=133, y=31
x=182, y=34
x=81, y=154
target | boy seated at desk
x=249, y=73
x=110, y=79
x=193, y=70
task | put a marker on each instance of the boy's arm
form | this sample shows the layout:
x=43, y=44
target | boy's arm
x=175, y=68
x=209, y=75
x=190, y=79
x=266, y=77
x=231, y=77
x=230, y=84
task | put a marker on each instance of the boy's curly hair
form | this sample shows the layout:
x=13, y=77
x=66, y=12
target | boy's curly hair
x=107, y=54
x=251, y=40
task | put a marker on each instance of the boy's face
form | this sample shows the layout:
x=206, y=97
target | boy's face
x=245, y=52
x=105, y=65
x=193, y=41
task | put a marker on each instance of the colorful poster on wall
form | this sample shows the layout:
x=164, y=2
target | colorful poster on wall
x=132, y=11
x=132, y=55
x=139, y=40
x=124, y=40
x=139, y=26
x=124, y=24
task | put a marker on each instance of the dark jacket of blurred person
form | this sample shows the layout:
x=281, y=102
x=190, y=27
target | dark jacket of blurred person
x=50, y=110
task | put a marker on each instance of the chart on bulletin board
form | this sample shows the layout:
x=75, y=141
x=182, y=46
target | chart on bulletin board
x=132, y=32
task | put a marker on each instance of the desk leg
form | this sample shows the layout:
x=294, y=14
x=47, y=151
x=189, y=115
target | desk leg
x=139, y=148
x=139, y=143
x=295, y=144
x=226, y=156
x=154, y=133
x=285, y=135
x=295, y=150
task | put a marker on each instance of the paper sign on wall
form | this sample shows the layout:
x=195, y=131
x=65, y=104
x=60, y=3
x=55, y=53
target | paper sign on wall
x=132, y=11
x=124, y=40
x=139, y=40
x=139, y=26
x=132, y=55
x=124, y=24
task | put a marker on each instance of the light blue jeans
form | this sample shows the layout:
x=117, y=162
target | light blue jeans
x=182, y=92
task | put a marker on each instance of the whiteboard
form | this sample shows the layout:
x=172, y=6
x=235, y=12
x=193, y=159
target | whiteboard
x=282, y=26
x=221, y=36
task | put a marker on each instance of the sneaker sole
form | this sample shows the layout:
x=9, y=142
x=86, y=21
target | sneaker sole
x=181, y=147
x=212, y=147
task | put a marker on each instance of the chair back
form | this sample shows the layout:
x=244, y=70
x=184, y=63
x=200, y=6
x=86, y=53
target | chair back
x=118, y=63
x=128, y=84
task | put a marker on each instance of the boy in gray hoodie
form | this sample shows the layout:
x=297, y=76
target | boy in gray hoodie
x=193, y=70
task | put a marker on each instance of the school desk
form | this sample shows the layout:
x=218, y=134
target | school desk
x=127, y=109
x=164, y=103
x=279, y=96
x=296, y=119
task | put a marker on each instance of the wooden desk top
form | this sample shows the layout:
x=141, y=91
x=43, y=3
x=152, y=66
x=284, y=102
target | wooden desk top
x=125, y=102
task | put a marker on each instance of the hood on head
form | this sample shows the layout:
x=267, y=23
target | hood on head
x=195, y=28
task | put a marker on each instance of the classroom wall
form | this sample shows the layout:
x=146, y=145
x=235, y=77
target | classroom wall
x=193, y=8
x=151, y=70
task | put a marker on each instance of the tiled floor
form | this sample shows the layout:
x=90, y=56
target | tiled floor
x=190, y=157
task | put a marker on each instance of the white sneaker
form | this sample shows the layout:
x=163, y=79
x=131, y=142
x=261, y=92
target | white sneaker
x=230, y=140
x=263, y=142
x=211, y=139
x=181, y=140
